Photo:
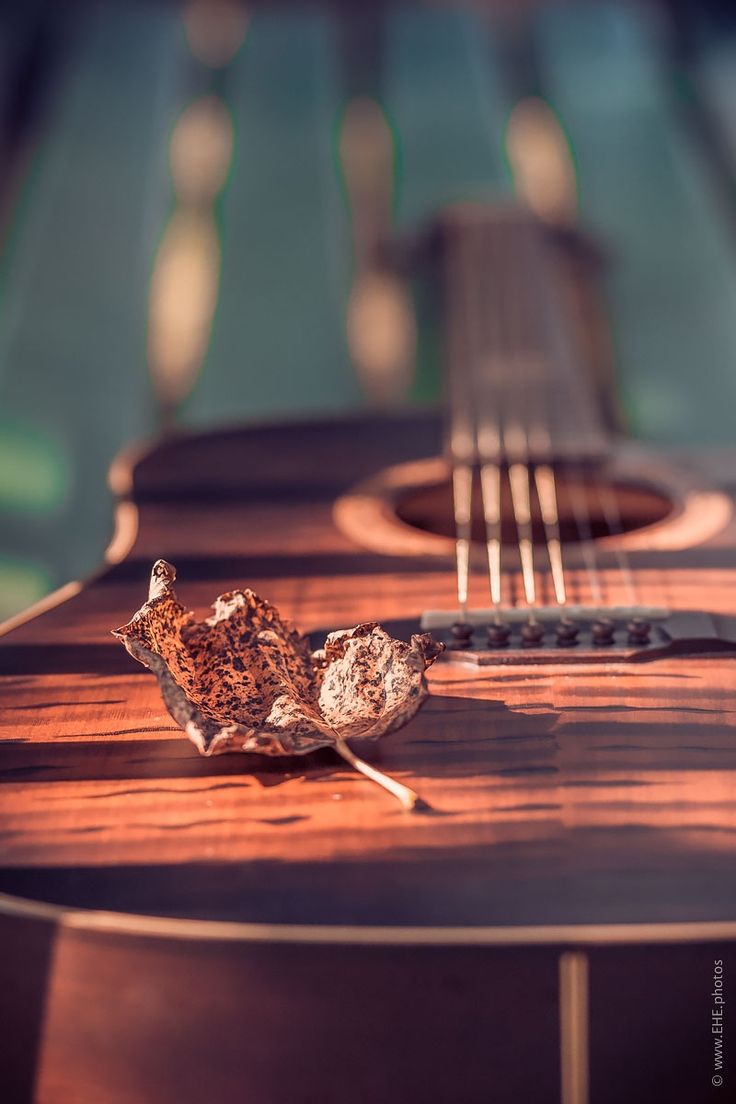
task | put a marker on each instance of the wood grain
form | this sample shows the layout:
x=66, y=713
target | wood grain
x=564, y=796
x=612, y=782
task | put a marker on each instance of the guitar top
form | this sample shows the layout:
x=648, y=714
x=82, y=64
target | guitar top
x=265, y=925
x=564, y=793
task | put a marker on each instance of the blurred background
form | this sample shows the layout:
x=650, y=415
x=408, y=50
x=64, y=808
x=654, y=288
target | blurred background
x=193, y=197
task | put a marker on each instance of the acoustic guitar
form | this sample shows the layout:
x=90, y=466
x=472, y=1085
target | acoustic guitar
x=560, y=924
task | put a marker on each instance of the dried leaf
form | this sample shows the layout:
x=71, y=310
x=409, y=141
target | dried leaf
x=243, y=680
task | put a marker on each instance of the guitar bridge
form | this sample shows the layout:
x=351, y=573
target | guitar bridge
x=577, y=634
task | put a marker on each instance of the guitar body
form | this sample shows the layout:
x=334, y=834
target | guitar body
x=177, y=928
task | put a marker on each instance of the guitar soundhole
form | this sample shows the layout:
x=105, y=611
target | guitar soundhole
x=630, y=506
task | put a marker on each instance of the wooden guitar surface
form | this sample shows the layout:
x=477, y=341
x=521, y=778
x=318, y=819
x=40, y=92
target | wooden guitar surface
x=583, y=827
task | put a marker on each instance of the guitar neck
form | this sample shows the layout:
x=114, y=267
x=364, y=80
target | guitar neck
x=517, y=375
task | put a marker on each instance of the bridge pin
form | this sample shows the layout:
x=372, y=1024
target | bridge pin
x=532, y=634
x=462, y=634
x=567, y=633
x=498, y=635
x=602, y=631
x=639, y=630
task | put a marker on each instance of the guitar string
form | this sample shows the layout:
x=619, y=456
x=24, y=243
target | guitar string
x=580, y=508
x=533, y=398
x=610, y=510
x=576, y=494
x=611, y=513
x=539, y=433
x=614, y=523
x=461, y=443
x=488, y=408
x=476, y=432
x=578, y=499
x=492, y=363
x=489, y=356
x=515, y=435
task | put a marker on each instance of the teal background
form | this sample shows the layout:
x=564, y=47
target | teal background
x=92, y=200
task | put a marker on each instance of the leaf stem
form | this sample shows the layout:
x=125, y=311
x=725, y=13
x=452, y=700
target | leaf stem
x=408, y=798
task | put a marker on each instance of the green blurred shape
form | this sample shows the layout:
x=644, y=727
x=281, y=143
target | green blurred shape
x=75, y=269
x=644, y=188
x=445, y=97
x=278, y=342
x=34, y=471
x=21, y=584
